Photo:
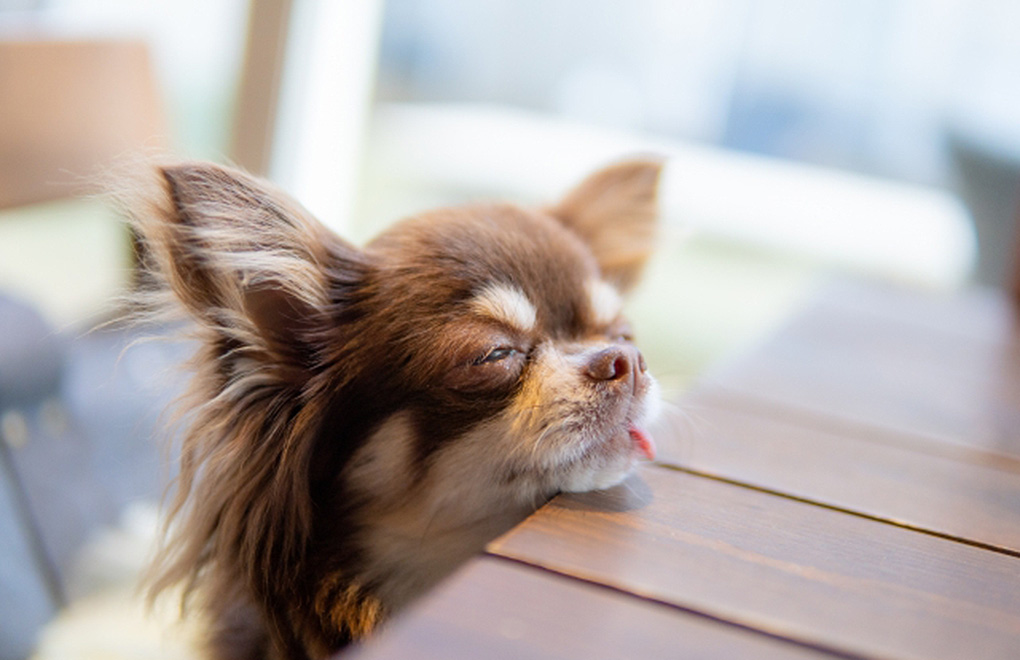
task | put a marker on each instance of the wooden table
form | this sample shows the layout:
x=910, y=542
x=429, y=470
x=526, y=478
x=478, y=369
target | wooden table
x=849, y=489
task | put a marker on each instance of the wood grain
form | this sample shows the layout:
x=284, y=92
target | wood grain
x=943, y=368
x=852, y=468
x=497, y=610
x=782, y=566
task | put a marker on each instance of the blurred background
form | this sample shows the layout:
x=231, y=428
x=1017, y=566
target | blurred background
x=806, y=140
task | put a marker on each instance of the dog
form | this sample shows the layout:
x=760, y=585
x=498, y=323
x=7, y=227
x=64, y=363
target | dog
x=362, y=420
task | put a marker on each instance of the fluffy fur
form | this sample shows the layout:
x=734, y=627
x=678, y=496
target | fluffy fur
x=362, y=420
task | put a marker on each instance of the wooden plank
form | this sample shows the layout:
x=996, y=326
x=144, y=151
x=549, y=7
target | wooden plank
x=846, y=467
x=977, y=313
x=496, y=609
x=947, y=369
x=783, y=566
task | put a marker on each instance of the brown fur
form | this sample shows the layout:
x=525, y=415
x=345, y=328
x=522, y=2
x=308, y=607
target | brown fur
x=311, y=349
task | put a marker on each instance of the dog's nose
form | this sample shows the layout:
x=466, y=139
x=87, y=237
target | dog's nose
x=614, y=363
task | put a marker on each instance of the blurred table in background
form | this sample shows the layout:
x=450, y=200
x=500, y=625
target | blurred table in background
x=850, y=488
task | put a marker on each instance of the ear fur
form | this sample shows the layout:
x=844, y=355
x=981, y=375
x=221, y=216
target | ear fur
x=243, y=259
x=615, y=211
x=265, y=284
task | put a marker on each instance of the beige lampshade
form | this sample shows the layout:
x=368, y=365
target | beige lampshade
x=69, y=109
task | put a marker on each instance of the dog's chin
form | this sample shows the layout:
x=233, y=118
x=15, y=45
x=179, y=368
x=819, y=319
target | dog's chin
x=612, y=458
x=606, y=476
x=607, y=463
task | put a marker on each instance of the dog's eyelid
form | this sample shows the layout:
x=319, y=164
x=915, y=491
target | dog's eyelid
x=496, y=354
x=496, y=366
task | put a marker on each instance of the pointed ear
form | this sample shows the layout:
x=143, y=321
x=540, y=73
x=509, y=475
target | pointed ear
x=244, y=260
x=615, y=211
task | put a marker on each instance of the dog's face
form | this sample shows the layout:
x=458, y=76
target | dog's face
x=364, y=417
x=515, y=361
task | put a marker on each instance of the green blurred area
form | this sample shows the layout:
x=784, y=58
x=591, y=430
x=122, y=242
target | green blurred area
x=702, y=300
x=68, y=258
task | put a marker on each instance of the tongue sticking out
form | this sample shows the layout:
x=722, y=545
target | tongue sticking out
x=643, y=442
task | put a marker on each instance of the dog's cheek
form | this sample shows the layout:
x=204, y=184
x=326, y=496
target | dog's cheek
x=548, y=396
x=383, y=467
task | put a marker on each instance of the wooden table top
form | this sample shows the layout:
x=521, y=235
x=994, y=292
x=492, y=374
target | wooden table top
x=850, y=488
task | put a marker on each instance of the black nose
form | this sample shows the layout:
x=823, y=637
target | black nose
x=614, y=363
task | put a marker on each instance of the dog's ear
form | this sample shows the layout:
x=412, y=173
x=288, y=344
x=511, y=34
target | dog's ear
x=615, y=211
x=246, y=261
x=268, y=287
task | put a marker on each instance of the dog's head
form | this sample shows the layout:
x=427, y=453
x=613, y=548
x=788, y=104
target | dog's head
x=501, y=335
x=465, y=350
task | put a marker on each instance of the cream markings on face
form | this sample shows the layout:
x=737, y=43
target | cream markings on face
x=605, y=302
x=506, y=304
x=382, y=466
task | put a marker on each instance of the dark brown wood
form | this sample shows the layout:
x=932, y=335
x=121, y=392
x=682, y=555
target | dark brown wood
x=849, y=466
x=942, y=368
x=496, y=610
x=782, y=566
x=852, y=485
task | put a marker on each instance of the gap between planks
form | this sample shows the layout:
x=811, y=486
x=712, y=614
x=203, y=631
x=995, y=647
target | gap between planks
x=840, y=509
x=862, y=430
x=820, y=647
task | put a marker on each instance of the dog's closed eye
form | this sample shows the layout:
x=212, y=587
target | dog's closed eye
x=496, y=354
x=496, y=366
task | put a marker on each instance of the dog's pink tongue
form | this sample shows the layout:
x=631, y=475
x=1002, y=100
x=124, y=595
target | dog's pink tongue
x=643, y=442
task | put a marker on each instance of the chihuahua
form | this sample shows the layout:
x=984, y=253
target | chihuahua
x=362, y=420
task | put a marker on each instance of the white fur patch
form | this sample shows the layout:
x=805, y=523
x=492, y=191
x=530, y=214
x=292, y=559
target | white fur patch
x=506, y=304
x=382, y=466
x=606, y=303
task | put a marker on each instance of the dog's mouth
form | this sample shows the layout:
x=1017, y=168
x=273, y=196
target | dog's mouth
x=628, y=436
x=642, y=441
x=635, y=423
x=609, y=457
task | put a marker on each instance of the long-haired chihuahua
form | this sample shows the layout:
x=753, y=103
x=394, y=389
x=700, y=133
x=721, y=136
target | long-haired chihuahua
x=361, y=420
